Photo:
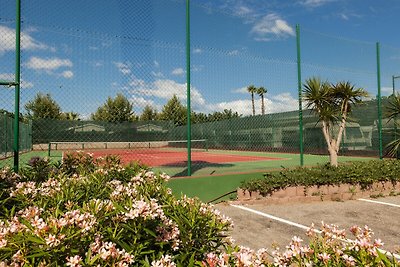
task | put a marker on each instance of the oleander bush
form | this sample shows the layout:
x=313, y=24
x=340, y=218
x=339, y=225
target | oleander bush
x=96, y=212
x=355, y=173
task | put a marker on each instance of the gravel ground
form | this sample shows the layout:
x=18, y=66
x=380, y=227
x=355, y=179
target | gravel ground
x=255, y=231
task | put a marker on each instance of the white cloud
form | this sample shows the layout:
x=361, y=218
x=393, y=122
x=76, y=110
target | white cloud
x=242, y=10
x=7, y=41
x=197, y=51
x=10, y=77
x=140, y=102
x=158, y=74
x=271, y=27
x=281, y=103
x=67, y=74
x=137, y=83
x=47, y=64
x=98, y=64
x=178, y=71
x=242, y=90
x=315, y=3
x=387, y=90
x=26, y=84
x=124, y=68
x=239, y=9
x=242, y=106
x=233, y=52
x=7, y=76
x=156, y=64
x=165, y=89
x=278, y=103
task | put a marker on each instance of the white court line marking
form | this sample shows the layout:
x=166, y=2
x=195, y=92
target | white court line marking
x=397, y=256
x=274, y=218
x=379, y=202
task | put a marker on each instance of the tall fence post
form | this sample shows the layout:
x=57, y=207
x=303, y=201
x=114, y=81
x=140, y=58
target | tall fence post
x=299, y=86
x=17, y=83
x=189, y=126
x=5, y=135
x=378, y=70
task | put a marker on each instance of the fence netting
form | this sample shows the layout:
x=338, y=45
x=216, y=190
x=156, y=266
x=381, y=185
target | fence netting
x=111, y=77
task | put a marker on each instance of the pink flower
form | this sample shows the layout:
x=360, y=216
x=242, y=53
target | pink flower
x=324, y=257
x=378, y=243
x=165, y=261
x=350, y=261
x=74, y=261
x=52, y=241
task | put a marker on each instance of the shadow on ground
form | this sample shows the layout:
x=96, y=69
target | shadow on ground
x=196, y=166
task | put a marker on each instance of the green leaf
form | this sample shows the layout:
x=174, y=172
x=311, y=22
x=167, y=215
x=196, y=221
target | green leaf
x=36, y=240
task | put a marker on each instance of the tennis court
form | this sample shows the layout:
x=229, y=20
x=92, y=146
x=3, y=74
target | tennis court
x=171, y=156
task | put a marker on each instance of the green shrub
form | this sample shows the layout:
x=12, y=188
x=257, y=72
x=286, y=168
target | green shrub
x=113, y=215
x=355, y=173
x=106, y=215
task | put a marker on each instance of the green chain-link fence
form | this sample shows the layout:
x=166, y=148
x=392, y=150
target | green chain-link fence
x=111, y=77
x=7, y=135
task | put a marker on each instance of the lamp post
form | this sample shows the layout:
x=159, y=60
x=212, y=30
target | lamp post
x=394, y=78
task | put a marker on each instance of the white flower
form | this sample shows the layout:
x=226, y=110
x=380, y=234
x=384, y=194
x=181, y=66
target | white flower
x=74, y=261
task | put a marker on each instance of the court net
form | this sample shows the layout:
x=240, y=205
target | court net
x=148, y=147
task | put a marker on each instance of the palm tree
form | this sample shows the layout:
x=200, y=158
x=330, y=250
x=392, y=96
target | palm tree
x=392, y=112
x=252, y=90
x=332, y=104
x=261, y=91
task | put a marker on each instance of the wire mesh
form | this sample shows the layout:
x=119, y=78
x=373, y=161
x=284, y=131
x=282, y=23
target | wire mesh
x=113, y=72
x=353, y=61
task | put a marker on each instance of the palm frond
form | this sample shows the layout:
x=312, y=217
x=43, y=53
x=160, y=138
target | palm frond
x=392, y=110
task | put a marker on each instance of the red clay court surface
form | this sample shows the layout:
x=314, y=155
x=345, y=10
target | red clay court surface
x=176, y=158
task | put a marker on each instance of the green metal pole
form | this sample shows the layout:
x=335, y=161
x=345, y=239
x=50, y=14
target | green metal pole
x=394, y=121
x=5, y=134
x=189, y=127
x=299, y=85
x=17, y=83
x=378, y=70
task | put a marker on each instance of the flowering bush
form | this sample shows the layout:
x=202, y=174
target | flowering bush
x=103, y=215
x=327, y=247
x=106, y=214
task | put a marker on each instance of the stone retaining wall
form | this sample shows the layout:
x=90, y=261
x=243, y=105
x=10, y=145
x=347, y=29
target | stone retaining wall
x=319, y=193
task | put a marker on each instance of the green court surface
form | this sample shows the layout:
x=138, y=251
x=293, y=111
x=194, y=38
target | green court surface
x=25, y=157
x=209, y=181
x=210, y=187
x=285, y=160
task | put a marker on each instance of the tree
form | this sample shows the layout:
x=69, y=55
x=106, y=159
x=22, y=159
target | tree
x=252, y=90
x=174, y=111
x=118, y=109
x=43, y=107
x=261, y=91
x=70, y=116
x=332, y=104
x=392, y=112
x=198, y=117
x=225, y=115
x=148, y=114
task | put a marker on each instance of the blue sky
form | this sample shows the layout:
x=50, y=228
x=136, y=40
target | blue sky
x=81, y=52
